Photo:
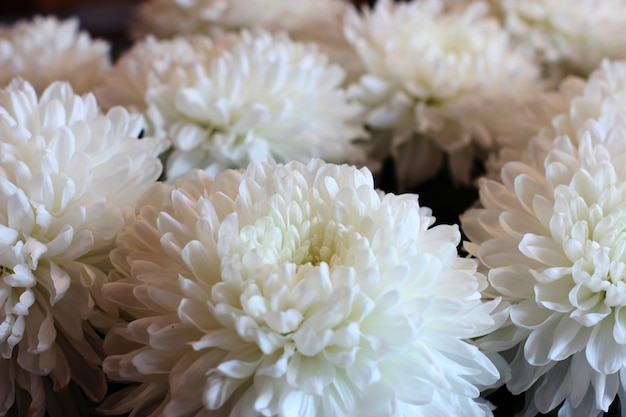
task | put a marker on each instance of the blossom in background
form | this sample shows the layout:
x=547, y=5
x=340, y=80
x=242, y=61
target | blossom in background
x=260, y=96
x=317, y=21
x=568, y=37
x=433, y=79
x=46, y=49
x=550, y=234
x=513, y=127
x=69, y=176
x=295, y=289
x=150, y=63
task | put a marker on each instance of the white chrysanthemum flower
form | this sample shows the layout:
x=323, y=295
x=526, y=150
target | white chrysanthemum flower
x=46, y=49
x=262, y=96
x=69, y=177
x=295, y=290
x=570, y=37
x=551, y=235
x=316, y=21
x=434, y=77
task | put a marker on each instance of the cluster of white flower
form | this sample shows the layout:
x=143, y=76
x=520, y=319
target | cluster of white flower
x=266, y=275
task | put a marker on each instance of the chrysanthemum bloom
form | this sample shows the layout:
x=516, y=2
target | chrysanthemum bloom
x=295, y=290
x=46, y=49
x=316, y=21
x=551, y=236
x=433, y=78
x=569, y=37
x=261, y=96
x=69, y=177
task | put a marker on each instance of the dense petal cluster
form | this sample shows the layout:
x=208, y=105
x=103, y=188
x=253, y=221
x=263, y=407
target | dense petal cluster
x=551, y=235
x=434, y=76
x=569, y=37
x=69, y=176
x=47, y=49
x=292, y=290
x=262, y=96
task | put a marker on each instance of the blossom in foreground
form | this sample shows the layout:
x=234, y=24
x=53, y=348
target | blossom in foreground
x=568, y=37
x=46, y=49
x=433, y=78
x=551, y=236
x=295, y=290
x=261, y=96
x=317, y=21
x=69, y=176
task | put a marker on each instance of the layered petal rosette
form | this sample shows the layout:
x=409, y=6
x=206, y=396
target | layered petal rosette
x=292, y=290
x=69, y=177
x=434, y=79
x=46, y=49
x=550, y=233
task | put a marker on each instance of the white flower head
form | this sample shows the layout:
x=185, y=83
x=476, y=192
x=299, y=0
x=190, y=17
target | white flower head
x=295, y=289
x=261, y=96
x=570, y=37
x=438, y=74
x=45, y=49
x=69, y=176
x=551, y=235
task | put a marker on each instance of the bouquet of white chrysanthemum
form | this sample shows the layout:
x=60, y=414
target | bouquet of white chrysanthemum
x=271, y=271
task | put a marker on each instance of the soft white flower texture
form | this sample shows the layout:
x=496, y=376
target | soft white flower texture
x=435, y=72
x=46, y=49
x=551, y=234
x=166, y=18
x=68, y=178
x=573, y=36
x=296, y=290
x=151, y=63
x=262, y=96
